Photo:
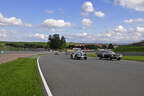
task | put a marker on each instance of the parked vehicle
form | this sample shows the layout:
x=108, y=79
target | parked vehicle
x=78, y=55
x=109, y=55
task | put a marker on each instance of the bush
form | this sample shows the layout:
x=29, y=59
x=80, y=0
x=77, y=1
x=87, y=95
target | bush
x=1, y=46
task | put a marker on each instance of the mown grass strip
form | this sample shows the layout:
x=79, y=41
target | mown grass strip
x=92, y=55
x=134, y=58
x=20, y=78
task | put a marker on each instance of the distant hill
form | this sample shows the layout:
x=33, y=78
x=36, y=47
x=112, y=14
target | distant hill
x=134, y=47
x=141, y=43
x=17, y=46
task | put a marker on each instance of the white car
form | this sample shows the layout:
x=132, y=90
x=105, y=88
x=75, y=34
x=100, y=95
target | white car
x=78, y=55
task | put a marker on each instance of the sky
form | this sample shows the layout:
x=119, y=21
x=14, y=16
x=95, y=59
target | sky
x=82, y=21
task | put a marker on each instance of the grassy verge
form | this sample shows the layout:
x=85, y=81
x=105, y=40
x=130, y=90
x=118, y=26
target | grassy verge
x=133, y=58
x=20, y=78
x=92, y=55
x=129, y=49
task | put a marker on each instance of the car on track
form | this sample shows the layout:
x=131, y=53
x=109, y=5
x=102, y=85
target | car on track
x=78, y=55
x=109, y=54
x=56, y=53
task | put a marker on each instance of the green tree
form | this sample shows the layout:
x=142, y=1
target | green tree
x=110, y=46
x=48, y=43
x=1, y=46
x=104, y=46
x=55, y=42
x=63, y=42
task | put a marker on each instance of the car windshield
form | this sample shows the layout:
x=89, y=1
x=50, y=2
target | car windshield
x=78, y=52
x=110, y=52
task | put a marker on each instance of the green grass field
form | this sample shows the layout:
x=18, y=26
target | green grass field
x=129, y=49
x=92, y=55
x=20, y=78
x=133, y=58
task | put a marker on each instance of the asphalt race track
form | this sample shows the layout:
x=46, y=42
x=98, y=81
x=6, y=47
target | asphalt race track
x=92, y=77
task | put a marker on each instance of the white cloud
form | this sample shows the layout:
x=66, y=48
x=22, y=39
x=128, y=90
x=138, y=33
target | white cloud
x=134, y=20
x=83, y=27
x=140, y=28
x=86, y=22
x=12, y=21
x=120, y=34
x=39, y=36
x=137, y=5
x=52, y=30
x=78, y=37
x=80, y=34
x=87, y=7
x=27, y=25
x=7, y=34
x=99, y=13
x=53, y=23
x=116, y=35
x=3, y=33
x=49, y=11
x=120, y=28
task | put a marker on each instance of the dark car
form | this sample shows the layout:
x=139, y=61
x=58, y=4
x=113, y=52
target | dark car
x=108, y=54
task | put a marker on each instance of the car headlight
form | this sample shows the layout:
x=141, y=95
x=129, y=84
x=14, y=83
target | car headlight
x=121, y=55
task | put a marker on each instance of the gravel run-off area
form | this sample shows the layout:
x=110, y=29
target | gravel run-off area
x=9, y=57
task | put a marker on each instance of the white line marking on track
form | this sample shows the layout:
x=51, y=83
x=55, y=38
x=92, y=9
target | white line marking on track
x=43, y=79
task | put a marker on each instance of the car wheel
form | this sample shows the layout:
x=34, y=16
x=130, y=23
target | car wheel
x=76, y=58
x=100, y=58
x=110, y=58
x=71, y=56
x=118, y=58
x=85, y=58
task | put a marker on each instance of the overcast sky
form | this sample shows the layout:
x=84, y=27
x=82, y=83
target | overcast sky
x=95, y=21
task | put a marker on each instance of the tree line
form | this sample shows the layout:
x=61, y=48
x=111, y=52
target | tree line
x=56, y=42
x=91, y=46
x=1, y=46
x=25, y=45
